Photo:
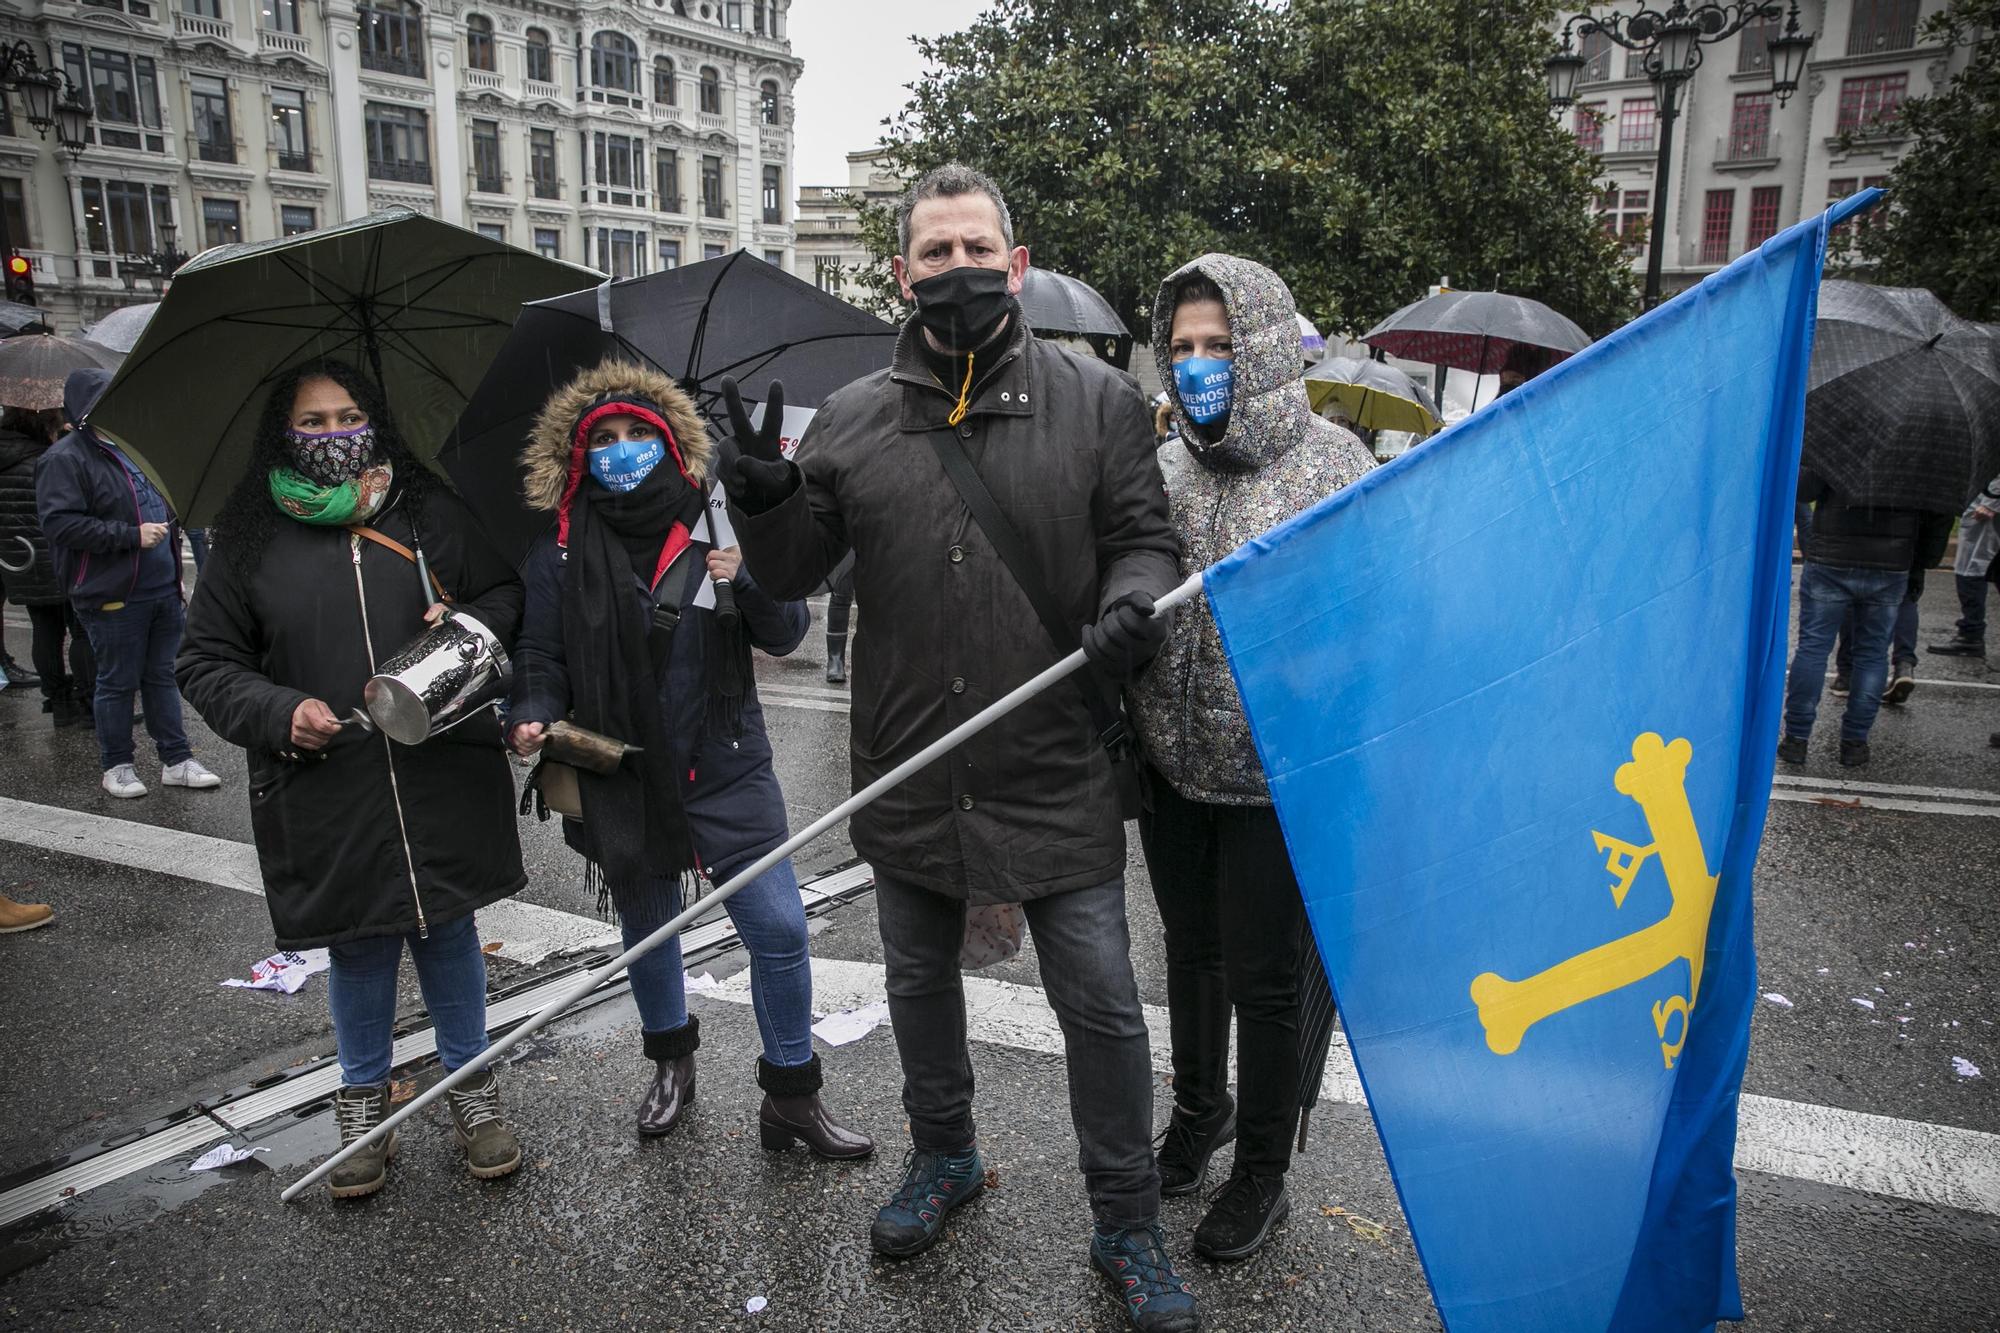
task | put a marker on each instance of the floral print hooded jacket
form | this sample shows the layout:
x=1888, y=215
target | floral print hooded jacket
x=1275, y=459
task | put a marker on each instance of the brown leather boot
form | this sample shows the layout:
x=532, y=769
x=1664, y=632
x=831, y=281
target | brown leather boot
x=15, y=917
x=793, y=1113
x=672, y=1090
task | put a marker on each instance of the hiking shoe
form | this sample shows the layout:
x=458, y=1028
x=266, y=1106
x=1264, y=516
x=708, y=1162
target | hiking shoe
x=123, y=782
x=491, y=1150
x=1135, y=1260
x=1186, y=1145
x=1241, y=1215
x=189, y=773
x=1901, y=682
x=16, y=917
x=1839, y=685
x=1791, y=749
x=356, y=1111
x=1958, y=646
x=1853, y=754
x=933, y=1184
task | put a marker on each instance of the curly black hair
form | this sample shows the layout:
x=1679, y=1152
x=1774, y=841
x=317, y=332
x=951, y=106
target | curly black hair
x=249, y=516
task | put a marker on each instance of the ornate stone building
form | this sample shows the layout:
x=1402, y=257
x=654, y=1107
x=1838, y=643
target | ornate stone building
x=830, y=250
x=1745, y=167
x=625, y=135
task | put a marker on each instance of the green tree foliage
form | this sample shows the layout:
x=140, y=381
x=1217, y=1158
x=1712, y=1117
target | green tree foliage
x=1361, y=149
x=1940, y=227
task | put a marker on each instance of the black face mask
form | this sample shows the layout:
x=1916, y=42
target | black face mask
x=962, y=307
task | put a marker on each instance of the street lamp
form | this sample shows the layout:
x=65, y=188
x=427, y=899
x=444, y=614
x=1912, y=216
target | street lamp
x=1669, y=47
x=73, y=125
x=52, y=101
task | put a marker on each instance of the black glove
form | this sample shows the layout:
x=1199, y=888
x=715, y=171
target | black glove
x=1126, y=638
x=754, y=470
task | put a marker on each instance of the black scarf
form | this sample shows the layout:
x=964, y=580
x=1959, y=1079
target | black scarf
x=634, y=825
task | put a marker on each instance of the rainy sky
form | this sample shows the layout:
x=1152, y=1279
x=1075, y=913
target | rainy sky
x=858, y=57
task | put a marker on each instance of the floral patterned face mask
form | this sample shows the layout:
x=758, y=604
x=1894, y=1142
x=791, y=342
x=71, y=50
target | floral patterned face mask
x=334, y=458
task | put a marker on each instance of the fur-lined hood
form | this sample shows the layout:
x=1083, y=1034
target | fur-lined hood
x=546, y=461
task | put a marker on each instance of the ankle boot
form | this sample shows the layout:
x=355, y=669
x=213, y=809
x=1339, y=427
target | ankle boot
x=836, y=662
x=355, y=1112
x=672, y=1090
x=793, y=1113
x=491, y=1150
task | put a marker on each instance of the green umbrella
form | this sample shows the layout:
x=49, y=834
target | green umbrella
x=419, y=304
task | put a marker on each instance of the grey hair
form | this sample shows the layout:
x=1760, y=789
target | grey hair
x=948, y=182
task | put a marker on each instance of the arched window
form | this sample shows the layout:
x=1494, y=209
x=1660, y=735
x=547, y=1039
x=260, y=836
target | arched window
x=479, y=42
x=541, y=61
x=767, y=96
x=663, y=82
x=392, y=37
x=711, y=90
x=614, y=62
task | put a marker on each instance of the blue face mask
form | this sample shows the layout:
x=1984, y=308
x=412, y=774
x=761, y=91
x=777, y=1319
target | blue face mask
x=622, y=466
x=1205, y=383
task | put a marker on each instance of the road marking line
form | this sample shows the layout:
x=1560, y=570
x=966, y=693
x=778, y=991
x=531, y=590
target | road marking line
x=786, y=698
x=1855, y=801
x=1887, y=789
x=1905, y=1159
x=527, y=932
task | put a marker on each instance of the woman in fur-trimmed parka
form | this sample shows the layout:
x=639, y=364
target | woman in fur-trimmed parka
x=615, y=640
x=1250, y=455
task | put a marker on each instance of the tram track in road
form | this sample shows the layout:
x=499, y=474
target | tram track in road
x=26, y=1194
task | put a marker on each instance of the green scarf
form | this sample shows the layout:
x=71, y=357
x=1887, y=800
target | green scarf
x=298, y=496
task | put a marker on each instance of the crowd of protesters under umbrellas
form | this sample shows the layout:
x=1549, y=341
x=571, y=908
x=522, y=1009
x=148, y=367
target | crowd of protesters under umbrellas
x=604, y=616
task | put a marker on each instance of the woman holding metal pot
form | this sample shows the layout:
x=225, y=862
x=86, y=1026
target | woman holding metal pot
x=365, y=845
x=619, y=639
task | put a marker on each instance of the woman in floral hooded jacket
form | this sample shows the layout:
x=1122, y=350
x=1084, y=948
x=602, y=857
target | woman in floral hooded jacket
x=1250, y=455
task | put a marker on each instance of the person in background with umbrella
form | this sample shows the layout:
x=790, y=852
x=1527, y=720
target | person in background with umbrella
x=118, y=551
x=613, y=638
x=1978, y=543
x=365, y=846
x=1226, y=339
x=1859, y=558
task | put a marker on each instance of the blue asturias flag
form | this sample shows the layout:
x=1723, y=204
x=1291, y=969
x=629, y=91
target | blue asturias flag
x=1517, y=694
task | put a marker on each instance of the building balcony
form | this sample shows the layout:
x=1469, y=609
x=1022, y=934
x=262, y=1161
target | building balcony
x=483, y=78
x=193, y=25
x=407, y=173
x=208, y=150
x=672, y=203
x=286, y=160
x=489, y=184
x=1748, y=151
x=551, y=92
x=287, y=43
x=715, y=208
x=710, y=121
x=393, y=62
x=547, y=187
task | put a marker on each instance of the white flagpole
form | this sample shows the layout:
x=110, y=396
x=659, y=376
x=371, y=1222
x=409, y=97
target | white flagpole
x=589, y=982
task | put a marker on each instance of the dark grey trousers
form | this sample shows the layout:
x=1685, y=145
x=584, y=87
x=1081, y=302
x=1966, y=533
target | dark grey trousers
x=1085, y=953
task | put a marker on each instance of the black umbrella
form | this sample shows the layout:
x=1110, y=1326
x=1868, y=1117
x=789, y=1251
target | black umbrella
x=17, y=318
x=1478, y=331
x=1054, y=303
x=736, y=316
x=419, y=304
x=1902, y=400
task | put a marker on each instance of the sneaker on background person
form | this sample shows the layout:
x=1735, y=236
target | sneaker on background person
x=1902, y=683
x=122, y=781
x=189, y=773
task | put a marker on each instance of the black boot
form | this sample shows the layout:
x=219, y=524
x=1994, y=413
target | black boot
x=71, y=708
x=672, y=1090
x=17, y=674
x=836, y=660
x=1240, y=1219
x=793, y=1113
x=1188, y=1142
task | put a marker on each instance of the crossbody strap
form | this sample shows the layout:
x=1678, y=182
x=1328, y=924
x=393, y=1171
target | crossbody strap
x=1105, y=715
x=383, y=539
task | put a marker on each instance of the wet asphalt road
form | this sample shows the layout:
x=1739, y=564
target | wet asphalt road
x=114, y=1017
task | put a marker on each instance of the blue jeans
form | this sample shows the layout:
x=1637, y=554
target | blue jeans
x=361, y=992
x=1971, y=606
x=1826, y=593
x=771, y=918
x=1902, y=639
x=135, y=648
x=198, y=543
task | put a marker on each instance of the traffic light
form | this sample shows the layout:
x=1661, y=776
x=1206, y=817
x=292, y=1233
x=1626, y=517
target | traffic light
x=21, y=280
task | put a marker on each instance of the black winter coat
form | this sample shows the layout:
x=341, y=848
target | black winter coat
x=1853, y=537
x=1065, y=445
x=367, y=837
x=735, y=808
x=37, y=585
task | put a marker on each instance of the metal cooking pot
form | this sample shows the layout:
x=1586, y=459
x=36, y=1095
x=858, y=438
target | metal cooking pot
x=438, y=680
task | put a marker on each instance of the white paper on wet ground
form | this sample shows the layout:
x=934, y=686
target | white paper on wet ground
x=223, y=1155
x=284, y=972
x=850, y=1025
